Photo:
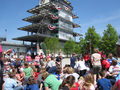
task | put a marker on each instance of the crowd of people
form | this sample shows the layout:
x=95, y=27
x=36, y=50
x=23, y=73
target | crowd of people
x=85, y=72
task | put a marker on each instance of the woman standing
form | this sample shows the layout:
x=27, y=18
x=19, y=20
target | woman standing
x=96, y=62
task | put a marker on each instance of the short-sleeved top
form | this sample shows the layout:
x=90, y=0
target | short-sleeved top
x=31, y=87
x=86, y=57
x=74, y=74
x=104, y=84
x=28, y=58
x=80, y=65
x=27, y=72
x=10, y=84
x=114, y=69
x=118, y=84
x=41, y=56
x=52, y=82
x=75, y=88
x=96, y=57
x=110, y=60
x=21, y=57
x=51, y=63
x=105, y=64
x=73, y=60
x=37, y=58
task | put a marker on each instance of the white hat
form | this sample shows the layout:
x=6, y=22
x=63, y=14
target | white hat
x=118, y=42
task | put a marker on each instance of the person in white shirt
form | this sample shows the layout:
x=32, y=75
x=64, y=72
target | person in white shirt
x=51, y=63
x=80, y=66
x=21, y=57
x=70, y=71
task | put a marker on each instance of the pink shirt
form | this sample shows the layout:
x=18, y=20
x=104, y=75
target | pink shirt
x=96, y=59
x=28, y=58
x=1, y=49
x=37, y=58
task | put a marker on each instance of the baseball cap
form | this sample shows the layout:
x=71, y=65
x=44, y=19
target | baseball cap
x=1, y=49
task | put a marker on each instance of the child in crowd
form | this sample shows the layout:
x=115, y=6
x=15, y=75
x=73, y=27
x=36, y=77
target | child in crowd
x=50, y=81
x=27, y=72
x=31, y=84
x=103, y=83
x=69, y=84
x=11, y=84
x=89, y=83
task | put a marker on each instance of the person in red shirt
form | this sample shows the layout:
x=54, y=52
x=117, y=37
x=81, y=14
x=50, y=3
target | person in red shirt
x=41, y=56
x=103, y=54
x=37, y=73
x=86, y=58
x=48, y=57
x=105, y=64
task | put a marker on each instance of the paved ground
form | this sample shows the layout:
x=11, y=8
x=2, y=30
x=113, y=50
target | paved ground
x=65, y=61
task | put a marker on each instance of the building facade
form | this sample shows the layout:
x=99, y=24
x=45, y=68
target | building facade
x=50, y=18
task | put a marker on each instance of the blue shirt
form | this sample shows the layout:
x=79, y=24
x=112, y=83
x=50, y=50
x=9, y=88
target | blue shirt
x=104, y=84
x=57, y=75
x=10, y=84
x=72, y=63
x=31, y=87
x=110, y=60
x=52, y=70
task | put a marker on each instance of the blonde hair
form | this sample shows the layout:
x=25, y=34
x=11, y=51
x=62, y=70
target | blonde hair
x=110, y=55
x=33, y=68
x=44, y=75
x=96, y=50
x=70, y=70
x=88, y=81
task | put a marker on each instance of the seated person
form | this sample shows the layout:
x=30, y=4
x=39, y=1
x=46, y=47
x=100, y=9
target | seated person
x=11, y=84
x=50, y=81
x=103, y=83
x=31, y=84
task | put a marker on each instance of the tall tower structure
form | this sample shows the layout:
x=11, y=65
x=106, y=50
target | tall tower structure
x=51, y=18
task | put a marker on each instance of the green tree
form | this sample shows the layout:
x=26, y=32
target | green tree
x=109, y=39
x=69, y=47
x=43, y=46
x=77, y=48
x=83, y=45
x=93, y=37
x=52, y=44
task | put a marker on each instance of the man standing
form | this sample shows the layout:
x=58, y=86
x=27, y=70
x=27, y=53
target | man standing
x=73, y=60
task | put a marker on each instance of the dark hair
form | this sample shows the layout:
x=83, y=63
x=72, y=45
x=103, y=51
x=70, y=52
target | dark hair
x=73, y=53
x=114, y=62
x=80, y=58
x=102, y=73
x=31, y=80
x=58, y=70
x=38, y=70
x=52, y=58
x=70, y=80
x=26, y=64
x=11, y=74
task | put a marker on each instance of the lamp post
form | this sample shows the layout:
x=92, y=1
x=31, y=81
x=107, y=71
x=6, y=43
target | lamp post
x=89, y=45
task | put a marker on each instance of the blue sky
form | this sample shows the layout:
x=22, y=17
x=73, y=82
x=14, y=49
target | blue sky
x=98, y=13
